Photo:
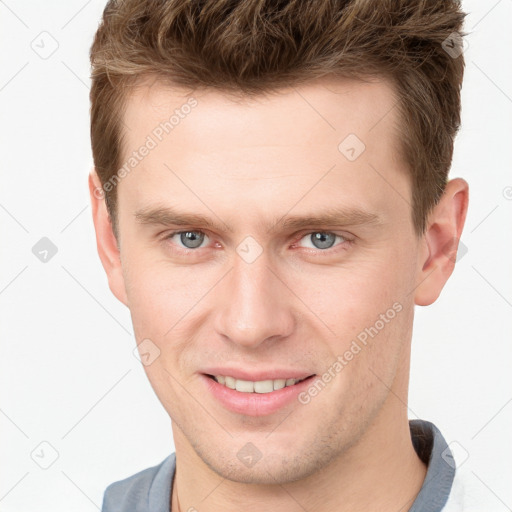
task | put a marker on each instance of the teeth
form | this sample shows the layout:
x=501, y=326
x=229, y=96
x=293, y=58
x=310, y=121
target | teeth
x=264, y=386
x=279, y=383
x=249, y=386
x=246, y=386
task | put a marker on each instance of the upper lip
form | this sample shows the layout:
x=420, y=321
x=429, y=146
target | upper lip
x=239, y=373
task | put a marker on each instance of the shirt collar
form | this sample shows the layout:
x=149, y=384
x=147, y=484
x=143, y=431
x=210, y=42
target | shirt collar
x=432, y=449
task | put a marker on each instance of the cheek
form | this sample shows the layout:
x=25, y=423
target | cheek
x=348, y=299
x=163, y=304
x=368, y=310
x=159, y=296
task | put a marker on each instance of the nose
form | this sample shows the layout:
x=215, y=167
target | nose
x=254, y=305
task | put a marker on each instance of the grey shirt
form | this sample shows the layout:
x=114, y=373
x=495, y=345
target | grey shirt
x=150, y=490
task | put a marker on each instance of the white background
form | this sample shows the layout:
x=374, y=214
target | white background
x=68, y=374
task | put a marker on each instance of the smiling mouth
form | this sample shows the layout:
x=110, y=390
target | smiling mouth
x=261, y=386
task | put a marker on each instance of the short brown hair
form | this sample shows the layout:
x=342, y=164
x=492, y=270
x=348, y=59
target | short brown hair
x=255, y=46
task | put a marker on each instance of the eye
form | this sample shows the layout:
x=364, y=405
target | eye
x=322, y=239
x=194, y=239
x=188, y=239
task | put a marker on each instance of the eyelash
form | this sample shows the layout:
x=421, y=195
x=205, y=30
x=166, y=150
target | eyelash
x=346, y=241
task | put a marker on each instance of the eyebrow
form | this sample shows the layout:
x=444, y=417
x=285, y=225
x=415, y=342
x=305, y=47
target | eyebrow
x=338, y=216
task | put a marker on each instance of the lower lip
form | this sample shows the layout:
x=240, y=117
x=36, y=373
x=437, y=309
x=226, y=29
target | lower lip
x=255, y=404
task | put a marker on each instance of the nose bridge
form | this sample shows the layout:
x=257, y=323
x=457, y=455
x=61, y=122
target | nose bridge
x=254, y=305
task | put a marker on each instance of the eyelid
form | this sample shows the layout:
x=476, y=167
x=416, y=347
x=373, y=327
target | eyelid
x=167, y=236
x=346, y=239
x=297, y=237
x=343, y=234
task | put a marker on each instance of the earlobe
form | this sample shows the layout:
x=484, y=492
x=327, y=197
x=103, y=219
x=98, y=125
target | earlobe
x=441, y=241
x=106, y=242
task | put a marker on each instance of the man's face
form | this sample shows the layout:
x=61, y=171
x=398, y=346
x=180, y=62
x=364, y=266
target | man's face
x=253, y=294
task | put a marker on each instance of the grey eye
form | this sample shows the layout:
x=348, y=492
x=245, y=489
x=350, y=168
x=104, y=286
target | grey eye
x=191, y=239
x=321, y=240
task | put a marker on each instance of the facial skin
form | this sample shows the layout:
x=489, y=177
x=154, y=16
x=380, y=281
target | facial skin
x=247, y=166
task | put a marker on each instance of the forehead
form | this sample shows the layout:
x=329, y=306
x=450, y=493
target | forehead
x=322, y=111
x=329, y=137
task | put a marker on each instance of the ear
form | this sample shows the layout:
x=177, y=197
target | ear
x=441, y=241
x=106, y=241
